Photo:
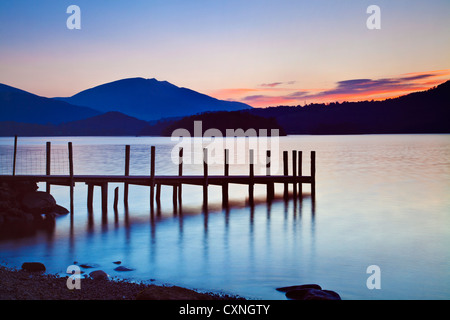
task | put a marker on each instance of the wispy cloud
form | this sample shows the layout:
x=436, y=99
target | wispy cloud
x=357, y=89
x=265, y=100
x=271, y=85
x=346, y=90
x=276, y=84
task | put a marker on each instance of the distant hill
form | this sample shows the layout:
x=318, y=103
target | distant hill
x=223, y=121
x=107, y=124
x=118, y=124
x=420, y=112
x=20, y=106
x=149, y=99
x=11, y=128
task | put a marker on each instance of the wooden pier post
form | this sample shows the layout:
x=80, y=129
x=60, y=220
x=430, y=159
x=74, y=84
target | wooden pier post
x=152, y=177
x=71, y=182
x=270, y=186
x=313, y=175
x=180, y=173
x=116, y=202
x=205, y=178
x=47, y=165
x=104, y=187
x=300, y=173
x=116, y=198
x=251, y=176
x=90, y=195
x=285, y=173
x=294, y=173
x=177, y=186
x=14, y=156
x=127, y=173
x=174, y=198
x=158, y=194
x=225, y=173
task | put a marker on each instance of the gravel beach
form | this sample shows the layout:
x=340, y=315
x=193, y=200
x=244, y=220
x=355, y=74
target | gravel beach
x=24, y=285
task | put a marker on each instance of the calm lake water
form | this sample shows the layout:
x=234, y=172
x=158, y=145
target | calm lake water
x=380, y=200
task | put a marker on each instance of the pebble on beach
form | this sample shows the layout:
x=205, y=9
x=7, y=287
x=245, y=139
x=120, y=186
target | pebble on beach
x=122, y=268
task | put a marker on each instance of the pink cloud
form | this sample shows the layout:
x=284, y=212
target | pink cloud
x=353, y=90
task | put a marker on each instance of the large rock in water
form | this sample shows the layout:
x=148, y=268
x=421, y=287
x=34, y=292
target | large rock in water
x=59, y=210
x=99, y=275
x=301, y=286
x=25, y=209
x=122, y=268
x=309, y=292
x=33, y=266
x=38, y=202
x=312, y=294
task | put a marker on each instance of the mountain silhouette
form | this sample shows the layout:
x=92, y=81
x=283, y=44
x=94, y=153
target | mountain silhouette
x=419, y=112
x=149, y=99
x=107, y=124
x=25, y=114
x=17, y=105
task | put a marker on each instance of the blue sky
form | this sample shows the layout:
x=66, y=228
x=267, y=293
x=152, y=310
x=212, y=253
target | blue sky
x=226, y=48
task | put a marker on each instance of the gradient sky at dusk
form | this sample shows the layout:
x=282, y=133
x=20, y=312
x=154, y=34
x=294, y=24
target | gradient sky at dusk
x=256, y=51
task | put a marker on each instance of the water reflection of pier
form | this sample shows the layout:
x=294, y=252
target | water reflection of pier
x=297, y=206
x=196, y=241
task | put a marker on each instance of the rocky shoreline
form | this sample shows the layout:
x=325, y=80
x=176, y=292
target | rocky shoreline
x=24, y=209
x=32, y=283
x=22, y=284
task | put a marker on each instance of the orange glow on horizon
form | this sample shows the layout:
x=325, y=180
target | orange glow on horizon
x=349, y=90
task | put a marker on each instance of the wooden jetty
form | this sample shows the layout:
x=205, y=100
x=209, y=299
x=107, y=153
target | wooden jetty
x=296, y=178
